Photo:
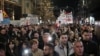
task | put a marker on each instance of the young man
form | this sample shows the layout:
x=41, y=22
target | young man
x=45, y=40
x=64, y=48
x=90, y=47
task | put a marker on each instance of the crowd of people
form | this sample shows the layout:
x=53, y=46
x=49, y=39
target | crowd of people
x=48, y=40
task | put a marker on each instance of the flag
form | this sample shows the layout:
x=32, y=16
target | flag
x=5, y=15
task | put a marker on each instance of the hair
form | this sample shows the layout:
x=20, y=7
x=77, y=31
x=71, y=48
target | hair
x=12, y=41
x=63, y=34
x=85, y=31
x=77, y=41
x=35, y=33
x=34, y=41
x=46, y=33
x=24, y=42
x=50, y=45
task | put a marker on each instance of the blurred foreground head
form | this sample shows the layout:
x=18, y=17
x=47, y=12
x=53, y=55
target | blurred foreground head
x=78, y=48
x=2, y=50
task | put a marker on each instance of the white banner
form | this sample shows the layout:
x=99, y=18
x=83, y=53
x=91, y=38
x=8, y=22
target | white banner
x=1, y=15
x=29, y=20
x=65, y=18
x=69, y=18
x=22, y=21
x=34, y=20
x=92, y=20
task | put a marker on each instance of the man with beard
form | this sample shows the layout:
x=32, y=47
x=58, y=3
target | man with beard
x=64, y=48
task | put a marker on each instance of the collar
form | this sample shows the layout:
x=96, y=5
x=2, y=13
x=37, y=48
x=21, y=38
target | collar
x=61, y=46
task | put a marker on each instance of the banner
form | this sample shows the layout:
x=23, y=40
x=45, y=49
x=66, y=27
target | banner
x=1, y=15
x=69, y=18
x=92, y=20
x=65, y=18
x=29, y=20
x=22, y=21
x=6, y=21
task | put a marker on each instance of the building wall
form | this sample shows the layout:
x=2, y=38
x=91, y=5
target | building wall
x=13, y=9
x=16, y=1
x=27, y=6
x=17, y=7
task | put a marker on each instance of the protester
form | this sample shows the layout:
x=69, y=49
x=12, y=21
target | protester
x=12, y=49
x=30, y=31
x=2, y=50
x=24, y=49
x=90, y=47
x=34, y=47
x=49, y=50
x=46, y=34
x=46, y=38
x=4, y=37
x=64, y=48
x=78, y=49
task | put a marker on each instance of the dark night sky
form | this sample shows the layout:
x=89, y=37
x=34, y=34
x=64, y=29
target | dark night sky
x=64, y=3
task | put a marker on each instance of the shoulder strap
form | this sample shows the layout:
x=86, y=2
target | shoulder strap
x=67, y=49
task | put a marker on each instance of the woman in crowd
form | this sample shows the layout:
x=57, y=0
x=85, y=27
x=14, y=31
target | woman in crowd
x=24, y=49
x=12, y=49
x=34, y=47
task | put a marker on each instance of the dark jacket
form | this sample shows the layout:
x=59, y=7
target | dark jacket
x=29, y=34
x=4, y=38
x=83, y=54
x=55, y=54
x=9, y=53
x=91, y=47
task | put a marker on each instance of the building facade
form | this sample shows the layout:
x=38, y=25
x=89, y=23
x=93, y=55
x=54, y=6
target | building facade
x=16, y=8
x=27, y=6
